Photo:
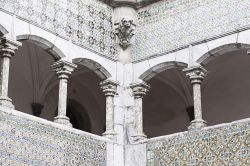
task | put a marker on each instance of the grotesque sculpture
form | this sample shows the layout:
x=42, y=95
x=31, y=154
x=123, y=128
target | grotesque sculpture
x=125, y=31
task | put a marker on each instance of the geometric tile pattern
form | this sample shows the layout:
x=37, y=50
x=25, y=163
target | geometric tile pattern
x=168, y=25
x=27, y=142
x=88, y=23
x=227, y=145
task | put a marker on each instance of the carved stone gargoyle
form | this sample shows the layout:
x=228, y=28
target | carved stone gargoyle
x=125, y=31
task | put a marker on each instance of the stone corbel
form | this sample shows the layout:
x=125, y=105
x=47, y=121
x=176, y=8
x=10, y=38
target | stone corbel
x=125, y=31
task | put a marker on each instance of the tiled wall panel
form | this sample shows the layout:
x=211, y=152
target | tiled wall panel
x=227, y=145
x=28, y=142
x=87, y=23
x=171, y=24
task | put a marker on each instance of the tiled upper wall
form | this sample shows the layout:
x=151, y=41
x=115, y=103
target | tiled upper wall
x=87, y=23
x=171, y=24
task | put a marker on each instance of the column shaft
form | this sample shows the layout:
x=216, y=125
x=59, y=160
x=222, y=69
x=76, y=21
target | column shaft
x=109, y=88
x=62, y=101
x=197, y=101
x=139, y=116
x=196, y=75
x=5, y=65
x=109, y=114
x=7, y=50
x=63, y=70
x=139, y=90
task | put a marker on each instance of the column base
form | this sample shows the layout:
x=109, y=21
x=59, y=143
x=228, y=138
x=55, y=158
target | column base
x=139, y=137
x=62, y=120
x=6, y=102
x=110, y=135
x=197, y=124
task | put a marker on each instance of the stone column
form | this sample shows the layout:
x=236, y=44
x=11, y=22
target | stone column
x=139, y=90
x=63, y=70
x=7, y=50
x=196, y=75
x=109, y=88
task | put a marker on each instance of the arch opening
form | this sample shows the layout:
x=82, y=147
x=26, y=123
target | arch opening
x=34, y=88
x=168, y=100
x=225, y=91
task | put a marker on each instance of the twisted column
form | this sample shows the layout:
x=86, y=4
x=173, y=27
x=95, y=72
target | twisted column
x=63, y=70
x=109, y=88
x=196, y=75
x=139, y=91
x=7, y=50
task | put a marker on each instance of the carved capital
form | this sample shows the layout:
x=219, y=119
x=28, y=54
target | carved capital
x=63, y=69
x=140, y=89
x=109, y=87
x=196, y=74
x=8, y=47
x=125, y=31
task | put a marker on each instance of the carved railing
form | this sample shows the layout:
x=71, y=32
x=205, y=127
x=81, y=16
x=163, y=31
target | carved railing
x=87, y=23
x=28, y=140
x=224, y=145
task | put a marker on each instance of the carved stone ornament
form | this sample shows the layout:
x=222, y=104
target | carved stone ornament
x=125, y=31
x=196, y=74
x=140, y=89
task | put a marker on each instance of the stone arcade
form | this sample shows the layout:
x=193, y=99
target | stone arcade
x=124, y=82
